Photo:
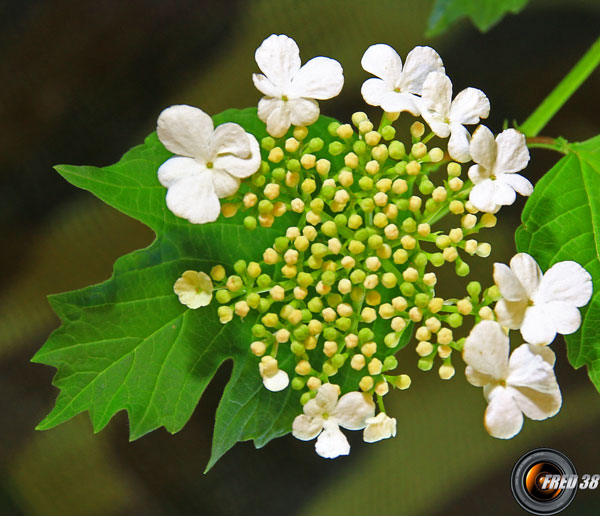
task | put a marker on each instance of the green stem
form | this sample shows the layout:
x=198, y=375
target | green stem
x=559, y=95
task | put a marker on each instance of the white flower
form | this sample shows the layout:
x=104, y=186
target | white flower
x=194, y=289
x=523, y=384
x=447, y=117
x=290, y=90
x=209, y=162
x=396, y=88
x=497, y=161
x=274, y=379
x=379, y=427
x=324, y=414
x=541, y=306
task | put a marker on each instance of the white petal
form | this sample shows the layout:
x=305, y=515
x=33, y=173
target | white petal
x=511, y=313
x=332, y=442
x=518, y=183
x=185, y=130
x=194, y=199
x=482, y=196
x=504, y=195
x=420, y=62
x=320, y=78
x=326, y=398
x=512, y=154
x=230, y=138
x=303, y=111
x=527, y=271
x=265, y=86
x=380, y=427
x=565, y=317
x=436, y=123
x=478, y=174
x=476, y=378
x=537, y=405
x=278, y=119
x=469, y=106
x=458, y=145
x=566, y=281
x=278, y=57
x=177, y=168
x=483, y=147
x=437, y=94
x=241, y=167
x=508, y=283
x=529, y=369
x=486, y=349
x=384, y=62
x=395, y=102
x=374, y=91
x=277, y=382
x=224, y=183
x=545, y=352
x=503, y=418
x=537, y=328
x=306, y=428
x=353, y=409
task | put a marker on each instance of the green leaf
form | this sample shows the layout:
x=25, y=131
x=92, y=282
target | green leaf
x=128, y=344
x=483, y=13
x=561, y=221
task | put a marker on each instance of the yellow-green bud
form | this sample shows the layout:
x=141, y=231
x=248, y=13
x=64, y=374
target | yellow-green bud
x=275, y=155
x=435, y=305
x=372, y=138
x=357, y=362
x=258, y=348
x=400, y=255
x=436, y=154
x=358, y=117
x=444, y=336
x=433, y=324
x=413, y=168
x=389, y=280
x=366, y=383
x=424, y=348
x=456, y=207
x=418, y=150
x=486, y=313
x=469, y=221
x=453, y=169
x=217, y=273
x=365, y=126
x=403, y=382
x=345, y=131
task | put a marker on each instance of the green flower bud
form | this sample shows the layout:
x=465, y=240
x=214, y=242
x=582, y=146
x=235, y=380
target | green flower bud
x=420, y=260
x=431, y=205
x=332, y=128
x=250, y=222
x=278, y=174
x=306, y=397
x=390, y=363
x=421, y=300
x=293, y=165
x=225, y=313
x=265, y=206
x=315, y=144
x=443, y=241
x=340, y=220
x=462, y=268
x=460, y=344
x=330, y=333
x=253, y=300
x=301, y=332
x=357, y=276
x=391, y=340
x=267, y=143
x=281, y=244
x=365, y=183
x=343, y=323
x=314, y=262
x=306, y=315
x=328, y=278
x=409, y=225
x=397, y=150
x=388, y=133
x=455, y=320
x=337, y=361
x=328, y=192
x=240, y=267
x=474, y=289
x=355, y=221
x=336, y=148
x=437, y=259
x=407, y=289
x=304, y=279
x=402, y=204
x=426, y=187
x=365, y=335
x=298, y=383
x=329, y=228
x=264, y=305
x=357, y=294
x=263, y=281
x=319, y=250
x=308, y=186
x=359, y=147
x=258, y=179
x=375, y=241
x=317, y=205
x=297, y=348
x=367, y=205
x=329, y=369
x=223, y=296
x=334, y=299
x=315, y=305
x=493, y=293
x=425, y=363
x=259, y=331
x=362, y=234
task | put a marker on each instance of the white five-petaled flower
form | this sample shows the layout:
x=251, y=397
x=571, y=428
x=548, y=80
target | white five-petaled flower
x=290, y=89
x=324, y=414
x=274, y=379
x=397, y=87
x=522, y=384
x=496, y=163
x=209, y=163
x=194, y=289
x=541, y=305
x=379, y=427
x=447, y=117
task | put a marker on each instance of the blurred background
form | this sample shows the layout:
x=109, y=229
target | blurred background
x=82, y=82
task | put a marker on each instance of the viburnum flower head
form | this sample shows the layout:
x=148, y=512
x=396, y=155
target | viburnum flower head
x=324, y=414
x=447, y=117
x=379, y=427
x=522, y=384
x=494, y=175
x=541, y=305
x=194, y=289
x=290, y=89
x=209, y=162
x=396, y=87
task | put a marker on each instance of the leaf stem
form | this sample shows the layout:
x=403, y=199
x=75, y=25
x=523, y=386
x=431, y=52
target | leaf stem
x=562, y=92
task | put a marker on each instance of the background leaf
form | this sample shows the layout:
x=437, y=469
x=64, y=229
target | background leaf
x=128, y=344
x=561, y=221
x=483, y=13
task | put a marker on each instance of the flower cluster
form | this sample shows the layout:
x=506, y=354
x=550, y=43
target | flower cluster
x=342, y=290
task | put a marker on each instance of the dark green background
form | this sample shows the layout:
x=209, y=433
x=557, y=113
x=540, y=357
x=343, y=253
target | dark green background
x=82, y=82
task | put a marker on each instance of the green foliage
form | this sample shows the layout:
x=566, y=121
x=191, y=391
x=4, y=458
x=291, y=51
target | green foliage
x=483, y=13
x=561, y=221
x=128, y=344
